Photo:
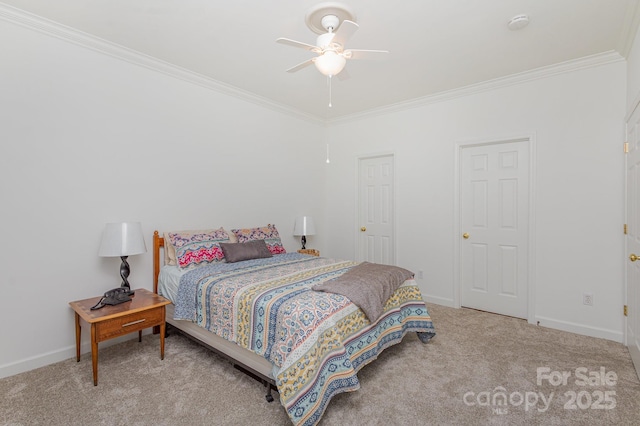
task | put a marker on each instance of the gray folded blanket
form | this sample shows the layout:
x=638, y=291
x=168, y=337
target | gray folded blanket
x=368, y=285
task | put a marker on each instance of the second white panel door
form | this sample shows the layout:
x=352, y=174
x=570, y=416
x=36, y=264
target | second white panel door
x=376, y=242
x=494, y=203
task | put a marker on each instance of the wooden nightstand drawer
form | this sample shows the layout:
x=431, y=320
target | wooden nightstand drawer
x=312, y=252
x=129, y=323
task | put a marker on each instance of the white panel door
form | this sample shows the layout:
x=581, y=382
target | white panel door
x=494, y=210
x=376, y=241
x=632, y=239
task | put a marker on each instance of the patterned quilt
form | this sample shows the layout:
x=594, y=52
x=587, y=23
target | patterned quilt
x=316, y=341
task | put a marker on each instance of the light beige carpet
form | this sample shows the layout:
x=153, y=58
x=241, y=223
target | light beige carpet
x=453, y=380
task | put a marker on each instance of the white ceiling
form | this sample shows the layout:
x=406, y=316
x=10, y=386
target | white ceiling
x=435, y=45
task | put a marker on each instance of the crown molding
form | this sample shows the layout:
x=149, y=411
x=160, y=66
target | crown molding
x=510, y=80
x=71, y=35
x=80, y=38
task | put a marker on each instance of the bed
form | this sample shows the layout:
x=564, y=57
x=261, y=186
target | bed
x=262, y=313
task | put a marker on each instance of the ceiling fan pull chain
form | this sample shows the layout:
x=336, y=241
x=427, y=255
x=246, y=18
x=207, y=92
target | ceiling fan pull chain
x=330, y=91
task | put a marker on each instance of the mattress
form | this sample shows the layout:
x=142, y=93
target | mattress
x=169, y=281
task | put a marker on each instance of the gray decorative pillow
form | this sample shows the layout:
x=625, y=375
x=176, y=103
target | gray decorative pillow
x=235, y=252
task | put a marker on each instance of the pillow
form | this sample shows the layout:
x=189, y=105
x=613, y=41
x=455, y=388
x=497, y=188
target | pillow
x=267, y=233
x=170, y=249
x=235, y=252
x=194, y=248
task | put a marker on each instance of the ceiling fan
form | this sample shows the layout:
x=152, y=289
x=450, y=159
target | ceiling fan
x=336, y=25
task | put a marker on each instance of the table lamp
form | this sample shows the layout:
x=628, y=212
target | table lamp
x=122, y=240
x=304, y=226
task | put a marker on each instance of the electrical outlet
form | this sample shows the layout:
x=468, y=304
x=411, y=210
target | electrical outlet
x=419, y=275
x=587, y=299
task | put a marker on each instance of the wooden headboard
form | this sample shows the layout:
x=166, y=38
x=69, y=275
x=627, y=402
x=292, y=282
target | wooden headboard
x=158, y=242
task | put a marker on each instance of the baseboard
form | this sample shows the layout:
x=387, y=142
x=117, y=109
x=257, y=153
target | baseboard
x=603, y=333
x=635, y=356
x=37, y=361
x=438, y=301
x=62, y=354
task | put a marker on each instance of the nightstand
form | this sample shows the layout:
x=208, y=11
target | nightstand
x=312, y=252
x=146, y=309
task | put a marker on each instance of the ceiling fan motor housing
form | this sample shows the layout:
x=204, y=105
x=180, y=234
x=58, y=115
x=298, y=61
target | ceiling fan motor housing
x=315, y=17
x=330, y=22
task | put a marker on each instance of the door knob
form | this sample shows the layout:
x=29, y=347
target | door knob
x=633, y=257
x=364, y=228
x=465, y=236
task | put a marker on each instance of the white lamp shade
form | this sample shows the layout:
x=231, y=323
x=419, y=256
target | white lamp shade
x=330, y=63
x=304, y=226
x=122, y=239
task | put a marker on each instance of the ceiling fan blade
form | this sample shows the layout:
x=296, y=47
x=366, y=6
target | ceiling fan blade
x=365, y=54
x=345, y=31
x=297, y=44
x=301, y=65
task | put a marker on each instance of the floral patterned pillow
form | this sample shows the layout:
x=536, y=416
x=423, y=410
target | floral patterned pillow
x=267, y=233
x=198, y=248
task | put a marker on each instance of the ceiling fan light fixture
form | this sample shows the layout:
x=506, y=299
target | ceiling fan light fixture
x=330, y=63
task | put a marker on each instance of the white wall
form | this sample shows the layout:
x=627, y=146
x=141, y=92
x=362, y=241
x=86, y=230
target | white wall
x=577, y=120
x=633, y=73
x=88, y=139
